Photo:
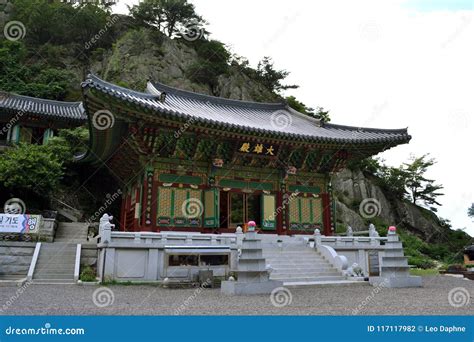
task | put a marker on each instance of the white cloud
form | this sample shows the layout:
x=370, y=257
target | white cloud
x=376, y=64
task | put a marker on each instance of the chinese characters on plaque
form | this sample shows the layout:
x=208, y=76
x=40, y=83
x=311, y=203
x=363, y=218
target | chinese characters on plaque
x=256, y=148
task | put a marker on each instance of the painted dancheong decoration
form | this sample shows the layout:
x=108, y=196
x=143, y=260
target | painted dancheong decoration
x=235, y=161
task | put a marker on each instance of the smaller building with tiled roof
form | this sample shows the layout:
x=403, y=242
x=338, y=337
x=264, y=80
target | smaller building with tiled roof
x=34, y=120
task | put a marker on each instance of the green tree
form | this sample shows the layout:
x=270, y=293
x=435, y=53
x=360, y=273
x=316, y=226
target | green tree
x=322, y=114
x=470, y=211
x=299, y=106
x=213, y=61
x=30, y=168
x=420, y=187
x=59, y=22
x=272, y=78
x=169, y=16
x=19, y=75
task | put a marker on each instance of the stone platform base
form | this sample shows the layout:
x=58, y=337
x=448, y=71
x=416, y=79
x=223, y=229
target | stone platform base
x=240, y=288
x=410, y=281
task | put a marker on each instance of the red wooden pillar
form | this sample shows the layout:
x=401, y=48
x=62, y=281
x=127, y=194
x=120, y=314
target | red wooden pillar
x=136, y=215
x=123, y=212
x=326, y=214
x=279, y=214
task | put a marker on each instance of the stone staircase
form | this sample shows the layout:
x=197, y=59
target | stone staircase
x=56, y=260
x=300, y=265
x=55, y=263
x=71, y=232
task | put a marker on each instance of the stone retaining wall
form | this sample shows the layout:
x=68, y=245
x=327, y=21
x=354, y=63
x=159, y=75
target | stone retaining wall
x=15, y=257
x=89, y=255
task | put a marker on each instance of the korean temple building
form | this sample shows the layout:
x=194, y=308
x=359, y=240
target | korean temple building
x=25, y=119
x=193, y=162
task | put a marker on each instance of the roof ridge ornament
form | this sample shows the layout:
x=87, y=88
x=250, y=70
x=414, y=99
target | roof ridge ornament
x=163, y=97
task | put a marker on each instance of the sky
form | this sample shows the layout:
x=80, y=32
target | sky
x=383, y=63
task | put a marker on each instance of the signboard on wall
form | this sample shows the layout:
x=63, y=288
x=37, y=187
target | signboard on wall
x=21, y=224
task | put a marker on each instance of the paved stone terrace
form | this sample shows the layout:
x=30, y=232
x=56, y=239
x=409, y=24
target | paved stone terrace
x=153, y=300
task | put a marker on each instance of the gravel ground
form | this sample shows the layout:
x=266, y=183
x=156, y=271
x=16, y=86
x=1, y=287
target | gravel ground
x=432, y=299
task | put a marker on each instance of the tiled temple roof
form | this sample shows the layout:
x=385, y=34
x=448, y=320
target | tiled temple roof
x=11, y=104
x=277, y=119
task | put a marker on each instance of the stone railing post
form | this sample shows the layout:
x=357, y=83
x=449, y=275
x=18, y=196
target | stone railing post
x=137, y=238
x=240, y=236
x=317, y=237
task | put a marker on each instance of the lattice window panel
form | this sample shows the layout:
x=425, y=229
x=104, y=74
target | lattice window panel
x=317, y=210
x=294, y=210
x=164, y=200
x=305, y=210
x=180, y=195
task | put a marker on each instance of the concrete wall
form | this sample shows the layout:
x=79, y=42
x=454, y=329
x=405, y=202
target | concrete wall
x=144, y=256
x=360, y=255
x=15, y=257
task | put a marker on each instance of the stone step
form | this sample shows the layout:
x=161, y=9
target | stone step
x=56, y=245
x=58, y=275
x=296, y=265
x=52, y=253
x=304, y=275
x=335, y=282
x=60, y=233
x=299, y=261
x=302, y=269
x=55, y=266
x=75, y=240
x=73, y=224
x=311, y=279
x=65, y=235
x=289, y=253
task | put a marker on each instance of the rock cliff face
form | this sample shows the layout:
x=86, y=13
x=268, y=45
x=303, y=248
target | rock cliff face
x=141, y=55
x=360, y=200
